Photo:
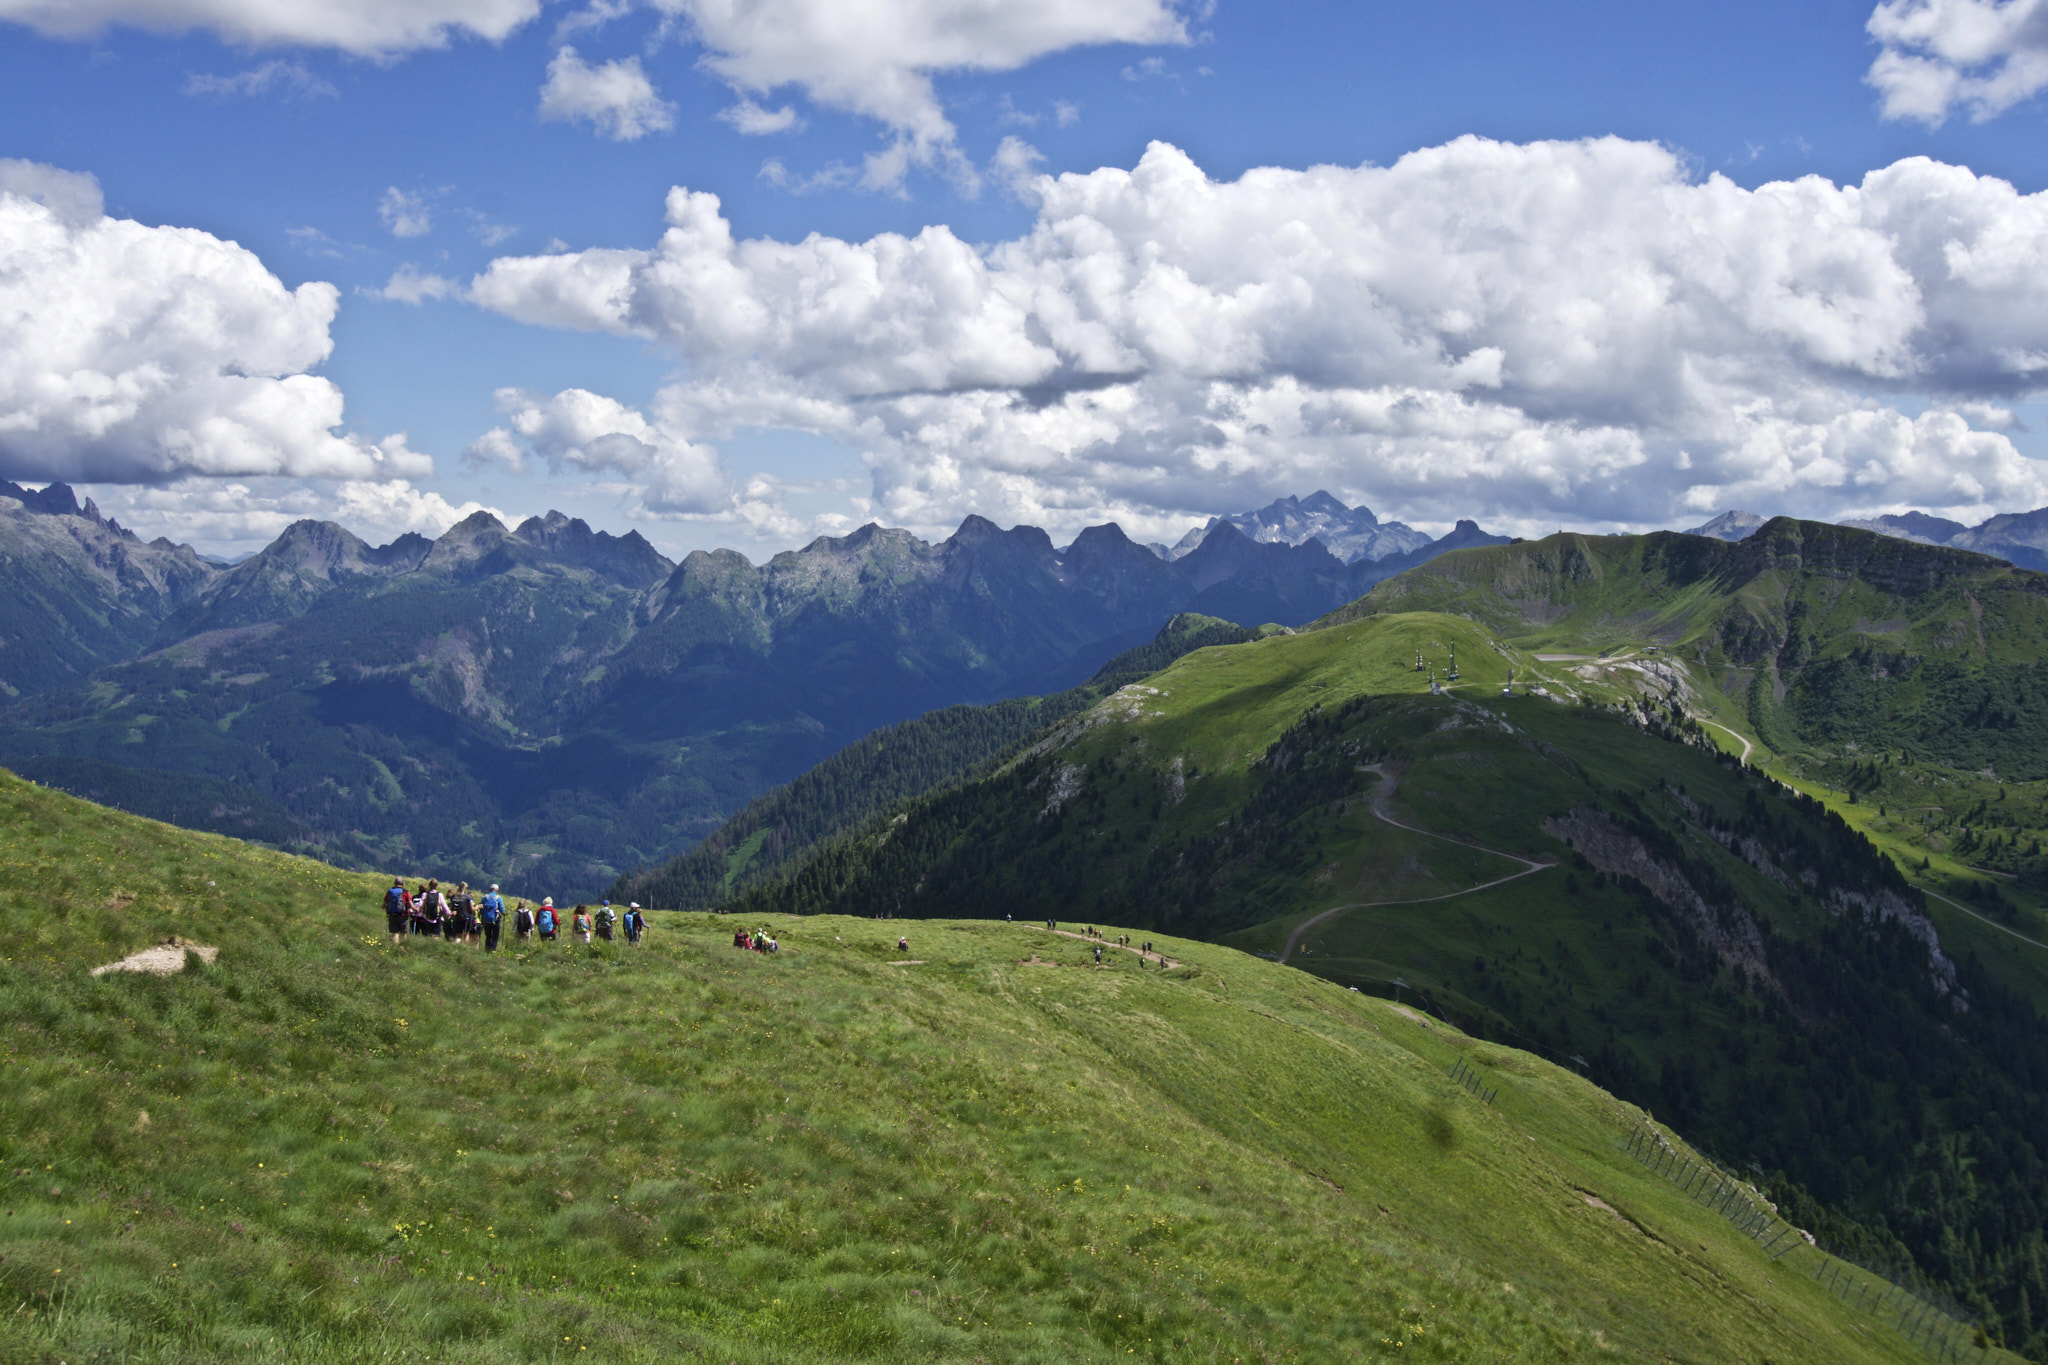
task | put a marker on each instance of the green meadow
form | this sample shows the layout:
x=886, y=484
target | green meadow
x=321, y=1147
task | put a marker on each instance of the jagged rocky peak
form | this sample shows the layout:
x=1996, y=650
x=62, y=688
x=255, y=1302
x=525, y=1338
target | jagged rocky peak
x=980, y=537
x=1730, y=525
x=405, y=553
x=1920, y=526
x=311, y=546
x=1350, y=533
x=479, y=523
x=61, y=500
x=58, y=500
x=1108, y=538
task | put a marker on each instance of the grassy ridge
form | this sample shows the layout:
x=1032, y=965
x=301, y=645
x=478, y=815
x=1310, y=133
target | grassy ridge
x=323, y=1148
x=1740, y=960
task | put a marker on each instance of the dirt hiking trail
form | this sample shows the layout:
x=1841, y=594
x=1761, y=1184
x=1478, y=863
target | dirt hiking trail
x=1382, y=794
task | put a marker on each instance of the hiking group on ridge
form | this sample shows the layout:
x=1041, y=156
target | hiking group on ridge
x=460, y=917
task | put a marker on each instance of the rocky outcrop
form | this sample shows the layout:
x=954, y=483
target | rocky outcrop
x=1730, y=932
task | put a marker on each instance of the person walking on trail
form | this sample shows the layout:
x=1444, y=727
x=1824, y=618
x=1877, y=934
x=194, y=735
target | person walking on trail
x=579, y=922
x=604, y=921
x=416, y=922
x=397, y=909
x=1098, y=954
x=522, y=923
x=492, y=917
x=636, y=923
x=547, y=921
x=462, y=914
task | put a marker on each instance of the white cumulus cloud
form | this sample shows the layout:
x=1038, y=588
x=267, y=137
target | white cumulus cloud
x=374, y=28
x=133, y=354
x=593, y=433
x=1981, y=57
x=1575, y=329
x=877, y=58
x=409, y=284
x=383, y=509
x=616, y=98
x=753, y=120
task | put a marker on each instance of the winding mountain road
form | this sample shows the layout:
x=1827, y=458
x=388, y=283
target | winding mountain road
x=1747, y=747
x=1974, y=915
x=1382, y=793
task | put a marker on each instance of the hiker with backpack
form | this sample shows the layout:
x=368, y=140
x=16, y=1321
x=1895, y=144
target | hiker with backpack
x=451, y=923
x=579, y=922
x=462, y=915
x=426, y=919
x=604, y=922
x=522, y=922
x=491, y=915
x=636, y=923
x=397, y=909
x=546, y=920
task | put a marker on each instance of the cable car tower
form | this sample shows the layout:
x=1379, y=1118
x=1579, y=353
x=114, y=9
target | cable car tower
x=1452, y=676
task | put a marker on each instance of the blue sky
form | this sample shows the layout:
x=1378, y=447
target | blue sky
x=334, y=146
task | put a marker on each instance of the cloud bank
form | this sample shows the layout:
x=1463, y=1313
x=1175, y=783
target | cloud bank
x=1980, y=57
x=370, y=28
x=134, y=354
x=877, y=59
x=1566, y=330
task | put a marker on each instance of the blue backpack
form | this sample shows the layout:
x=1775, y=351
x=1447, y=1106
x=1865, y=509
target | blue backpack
x=546, y=920
x=494, y=908
x=394, y=901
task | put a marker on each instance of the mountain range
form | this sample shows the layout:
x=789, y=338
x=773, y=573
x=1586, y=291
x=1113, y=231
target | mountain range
x=547, y=705
x=2017, y=537
x=1350, y=533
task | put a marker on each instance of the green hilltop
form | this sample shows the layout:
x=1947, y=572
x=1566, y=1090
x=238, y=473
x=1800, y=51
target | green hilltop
x=321, y=1147
x=1599, y=883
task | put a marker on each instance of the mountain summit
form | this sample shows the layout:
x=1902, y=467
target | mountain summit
x=1351, y=534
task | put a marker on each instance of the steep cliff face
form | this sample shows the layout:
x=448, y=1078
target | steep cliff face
x=77, y=591
x=1889, y=564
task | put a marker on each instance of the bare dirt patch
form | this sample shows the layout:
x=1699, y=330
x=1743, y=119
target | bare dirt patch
x=165, y=959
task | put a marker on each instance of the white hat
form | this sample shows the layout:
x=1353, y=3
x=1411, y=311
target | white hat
x=494, y=886
x=632, y=905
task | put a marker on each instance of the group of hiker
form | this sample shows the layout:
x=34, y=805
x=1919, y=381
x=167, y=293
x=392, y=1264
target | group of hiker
x=755, y=941
x=459, y=916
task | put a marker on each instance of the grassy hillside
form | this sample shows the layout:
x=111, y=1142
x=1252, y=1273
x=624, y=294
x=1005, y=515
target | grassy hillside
x=320, y=1147
x=1863, y=669
x=1601, y=885
x=1804, y=635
